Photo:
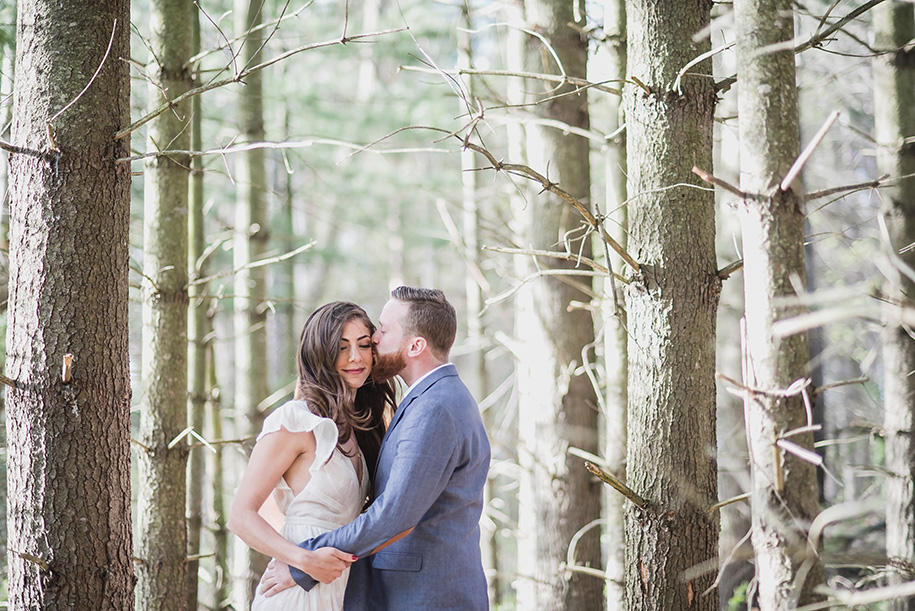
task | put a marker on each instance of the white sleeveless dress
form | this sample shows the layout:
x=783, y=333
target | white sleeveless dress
x=332, y=498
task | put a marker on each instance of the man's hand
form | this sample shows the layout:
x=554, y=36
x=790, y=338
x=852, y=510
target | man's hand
x=276, y=579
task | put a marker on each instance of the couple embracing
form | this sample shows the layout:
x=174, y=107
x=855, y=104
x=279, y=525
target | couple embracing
x=381, y=505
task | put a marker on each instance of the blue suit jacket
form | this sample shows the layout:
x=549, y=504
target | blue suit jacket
x=430, y=474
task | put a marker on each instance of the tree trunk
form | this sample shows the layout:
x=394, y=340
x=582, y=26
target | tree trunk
x=198, y=330
x=557, y=408
x=6, y=84
x=250, y=244
x=894, y=118
x=286, y=321
x=616, y=358
x=733, y=467
x=477, y=374
x=161, y=530
x=69, y=431
x=671, y=305
x=784, y=488
x=222, y=586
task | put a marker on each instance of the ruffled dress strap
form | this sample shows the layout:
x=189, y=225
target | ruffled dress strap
x=295, y=417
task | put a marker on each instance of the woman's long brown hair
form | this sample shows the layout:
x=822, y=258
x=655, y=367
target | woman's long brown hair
x=325, y=391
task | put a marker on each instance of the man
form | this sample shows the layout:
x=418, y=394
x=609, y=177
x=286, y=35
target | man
x=430, y=476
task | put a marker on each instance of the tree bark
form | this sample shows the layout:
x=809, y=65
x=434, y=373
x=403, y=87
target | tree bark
x=161, y=529
x=558, y=406
x=616, y=358
x=216, y=473
x=733, y=466
x=69, y=436
x=894, y=119
x=198, y=330
x=671, y=306
x=6, y=84
x=250, y=244
x=784, y=487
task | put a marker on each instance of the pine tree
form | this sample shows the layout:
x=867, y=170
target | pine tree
x=68, y=418
x=671, y=304
x=557, y=401
x=894, y=119
x=784, y=486
x=162, y=457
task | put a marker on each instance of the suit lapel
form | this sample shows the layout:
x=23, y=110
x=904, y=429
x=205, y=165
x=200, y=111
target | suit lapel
x=418, y=391
x=409, y=399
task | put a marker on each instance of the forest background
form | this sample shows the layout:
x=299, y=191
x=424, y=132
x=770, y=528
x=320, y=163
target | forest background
x=574, y=177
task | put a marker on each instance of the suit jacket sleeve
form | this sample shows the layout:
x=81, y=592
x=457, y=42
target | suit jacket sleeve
x=424, y=458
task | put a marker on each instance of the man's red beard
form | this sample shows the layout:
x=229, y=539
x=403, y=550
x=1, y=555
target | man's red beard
x=387, y=366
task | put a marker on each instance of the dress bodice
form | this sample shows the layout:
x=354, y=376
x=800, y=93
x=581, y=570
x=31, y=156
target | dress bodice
x=334, y=495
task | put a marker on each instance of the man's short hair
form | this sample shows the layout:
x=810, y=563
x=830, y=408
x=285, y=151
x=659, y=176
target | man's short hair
x=429, y=316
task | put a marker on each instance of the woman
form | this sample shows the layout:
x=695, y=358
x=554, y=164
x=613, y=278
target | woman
x=316, y=454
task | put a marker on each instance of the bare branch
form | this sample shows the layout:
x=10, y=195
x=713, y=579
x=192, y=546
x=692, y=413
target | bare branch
x=556, y=190
x=725, y=272
x=819, y=37
x=12, y=148
x=798, y=164
x=566, y=256
x=550, y=78
x=730, y=501
x=8, y=381
x=458, y=240
x=826, y=387
x=540, y=274
x=244, y=73
x=33, y=559
x=641, y=84
x=873, y=184
x=717, y=181
x=254, y=264
x=698, y=60
x=228, y=44
x=616, y=484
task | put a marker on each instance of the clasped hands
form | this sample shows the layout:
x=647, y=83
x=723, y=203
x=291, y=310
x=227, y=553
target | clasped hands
x=324, y=564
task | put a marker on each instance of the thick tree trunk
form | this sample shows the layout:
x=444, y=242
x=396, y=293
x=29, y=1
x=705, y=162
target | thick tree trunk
x=784, y=487
x=894, y=118
x=557, y=408
x=616, y=358
x=69, y=434
x=161, y=531
x=671, y=311
x=250, y=244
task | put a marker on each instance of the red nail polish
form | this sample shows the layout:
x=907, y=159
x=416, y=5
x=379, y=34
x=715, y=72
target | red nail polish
x=355, y=558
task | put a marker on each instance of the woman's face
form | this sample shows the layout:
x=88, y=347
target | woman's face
x=354, y=361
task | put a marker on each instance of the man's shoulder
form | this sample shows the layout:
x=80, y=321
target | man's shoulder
x=446, y=387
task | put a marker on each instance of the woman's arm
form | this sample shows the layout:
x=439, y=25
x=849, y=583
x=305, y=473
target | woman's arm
x=271, y=458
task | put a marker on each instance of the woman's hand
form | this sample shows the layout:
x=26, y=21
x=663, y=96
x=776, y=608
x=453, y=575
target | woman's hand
x=276, y=579
x=326, y=563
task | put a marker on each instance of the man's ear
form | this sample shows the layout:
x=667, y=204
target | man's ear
x=417, y=346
